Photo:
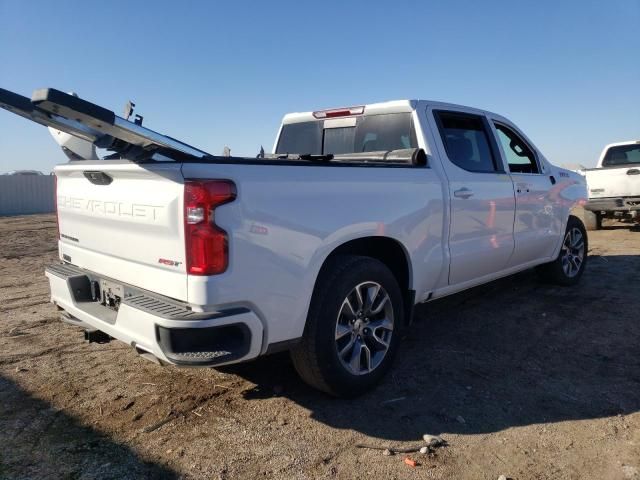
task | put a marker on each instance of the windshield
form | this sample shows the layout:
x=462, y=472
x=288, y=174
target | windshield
x=373, y=133
x=622, y=155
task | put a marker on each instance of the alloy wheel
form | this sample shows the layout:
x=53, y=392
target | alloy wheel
x=572, y=255
x=364, y=328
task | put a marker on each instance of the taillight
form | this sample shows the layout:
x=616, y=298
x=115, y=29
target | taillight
x=207, y=245
x=55, y=203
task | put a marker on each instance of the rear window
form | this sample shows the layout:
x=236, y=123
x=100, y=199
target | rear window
x=622, y=155
x=391, y=131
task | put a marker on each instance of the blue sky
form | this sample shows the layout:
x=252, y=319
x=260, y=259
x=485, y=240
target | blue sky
x=224, y=73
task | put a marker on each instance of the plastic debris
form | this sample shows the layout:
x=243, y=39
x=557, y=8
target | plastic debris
x=410, y=462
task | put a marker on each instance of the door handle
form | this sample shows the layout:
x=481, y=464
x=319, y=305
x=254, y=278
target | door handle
x=463, y=193
x=633, y=171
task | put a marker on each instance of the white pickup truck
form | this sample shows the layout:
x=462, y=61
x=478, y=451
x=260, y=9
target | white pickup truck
x=322, y=247
x=614, y=185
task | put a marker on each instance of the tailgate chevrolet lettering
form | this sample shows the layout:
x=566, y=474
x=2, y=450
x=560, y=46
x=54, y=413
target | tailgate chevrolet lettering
x=110, y=208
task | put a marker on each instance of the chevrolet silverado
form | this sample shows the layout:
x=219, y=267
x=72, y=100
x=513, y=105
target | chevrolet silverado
x=322, y=247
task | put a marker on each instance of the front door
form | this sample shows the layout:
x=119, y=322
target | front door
x=481, y=193
x=538, y=223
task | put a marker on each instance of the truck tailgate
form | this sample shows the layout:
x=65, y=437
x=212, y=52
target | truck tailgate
x=124, y=220
x=614, y=182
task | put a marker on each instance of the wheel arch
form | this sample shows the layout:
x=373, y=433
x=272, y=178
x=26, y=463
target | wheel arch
x=389, y=251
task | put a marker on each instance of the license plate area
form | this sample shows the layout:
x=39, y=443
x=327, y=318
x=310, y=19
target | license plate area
x=102, y=297
x=111, y=294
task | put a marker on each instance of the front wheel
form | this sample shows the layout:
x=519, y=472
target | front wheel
x=352, y=329
x=569, y=266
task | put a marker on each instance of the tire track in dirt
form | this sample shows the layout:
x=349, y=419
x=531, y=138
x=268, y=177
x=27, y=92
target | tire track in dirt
x=11, y=359
x=24, y=297
x=22, y=305
x=25, y=283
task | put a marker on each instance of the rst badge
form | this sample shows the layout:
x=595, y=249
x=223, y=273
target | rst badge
x=169, y=263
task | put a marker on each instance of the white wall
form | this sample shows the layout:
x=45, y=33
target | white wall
x=23, y=194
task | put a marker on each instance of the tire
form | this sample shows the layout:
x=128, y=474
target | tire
x=592, y=220
x=568, y=268
x=332, y=326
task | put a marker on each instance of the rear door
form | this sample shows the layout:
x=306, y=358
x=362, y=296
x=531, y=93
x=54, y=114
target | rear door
x=482, y=197
x=124, y=220
x=538, y=221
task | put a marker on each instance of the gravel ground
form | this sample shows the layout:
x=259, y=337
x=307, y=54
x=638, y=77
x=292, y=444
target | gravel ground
x=521, y=379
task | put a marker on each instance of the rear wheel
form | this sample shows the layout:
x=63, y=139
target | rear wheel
x=569, y=266
x=352, y=329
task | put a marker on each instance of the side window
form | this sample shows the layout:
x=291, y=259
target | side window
x=520, y=157
x=466, y=141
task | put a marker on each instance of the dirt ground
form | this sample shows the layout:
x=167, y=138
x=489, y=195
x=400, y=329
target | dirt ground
x=520, y=378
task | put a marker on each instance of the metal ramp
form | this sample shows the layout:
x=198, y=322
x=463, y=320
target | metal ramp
x=95, y=124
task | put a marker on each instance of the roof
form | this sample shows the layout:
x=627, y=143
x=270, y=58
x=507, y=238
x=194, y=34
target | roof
x=393, y=106
x=618, y=144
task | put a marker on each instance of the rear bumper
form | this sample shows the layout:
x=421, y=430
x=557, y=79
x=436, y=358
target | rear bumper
x=157, y=325
x=621, y=204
